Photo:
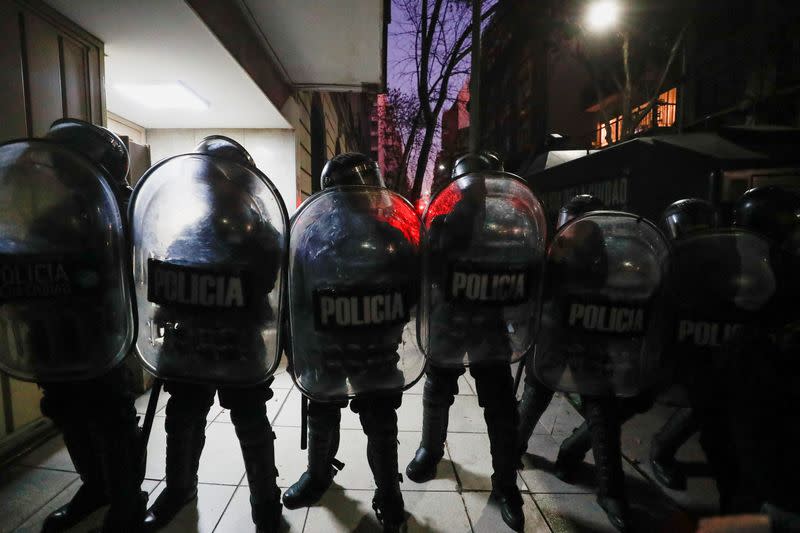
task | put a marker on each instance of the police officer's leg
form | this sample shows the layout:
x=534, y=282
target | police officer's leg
x=121, y=451
x=441, y=386
x=60, y=404
x=379, y=421
x=248, y=407
x=187, y=409
x=535, y=400
x=666, y=443
x=496, y=395
x=575, y=447
x=604, y=429
x=323, y=443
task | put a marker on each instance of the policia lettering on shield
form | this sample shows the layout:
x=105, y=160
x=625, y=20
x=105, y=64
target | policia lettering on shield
x=353, y=285
x=208, y=281
x=66, y=315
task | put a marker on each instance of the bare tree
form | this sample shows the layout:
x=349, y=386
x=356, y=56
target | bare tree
x=440, y=31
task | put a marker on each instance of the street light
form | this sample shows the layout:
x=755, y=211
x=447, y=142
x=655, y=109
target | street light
x=602, y=15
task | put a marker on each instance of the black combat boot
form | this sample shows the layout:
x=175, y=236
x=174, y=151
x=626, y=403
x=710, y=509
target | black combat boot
x=496, y=396
x=535, y=400
x=186, y=436
x=323, y=443
x=258, y=450
x=122, y=452
x=666, y=443
x=92, y=494
x=604, y=430
x=437, y=398
x=572, y=452
x=380, y=425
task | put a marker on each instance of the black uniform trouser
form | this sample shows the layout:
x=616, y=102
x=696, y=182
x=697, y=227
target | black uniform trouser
x=495, y=388
x=187, y=412
x=98, y=420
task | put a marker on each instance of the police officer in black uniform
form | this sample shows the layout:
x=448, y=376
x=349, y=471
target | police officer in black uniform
x=96, y=415
x=535, y=396
x=233, y=235
x=345, y=361
x=482, y=333
x=760, y=378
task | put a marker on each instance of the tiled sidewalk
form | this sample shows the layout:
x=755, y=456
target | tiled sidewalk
x=457, y=501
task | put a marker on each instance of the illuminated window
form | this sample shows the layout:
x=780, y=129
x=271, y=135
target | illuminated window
x=663, y=114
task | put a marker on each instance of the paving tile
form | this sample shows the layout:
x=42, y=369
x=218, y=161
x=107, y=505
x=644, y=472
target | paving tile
x=573, y=513
x=142, y=401
x=566, y=417
x=472, y=460
x=409, y=415
x=466, y=416
x=283, y=380
x=202, y=515
x=351, y=510
x=537, y=472
x=342, y=511
x=484, y=514
x=23, y=491
x=237, y=519
x=221, y=461
x=289, y=415
x=95, y=520
x=435, y=512
x=273, y=407
x=290, y=460
x=51, y=454
x=157, y=451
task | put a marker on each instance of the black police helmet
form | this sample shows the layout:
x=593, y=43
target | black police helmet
x=98, y=144
x=771, y=211
x=351, y=168
x=225, y=148
x=494, y=159
x=577, y=206
x=474, y=162
x=688, y=216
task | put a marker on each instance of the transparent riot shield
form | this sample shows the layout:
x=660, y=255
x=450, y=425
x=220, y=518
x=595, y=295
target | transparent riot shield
x=353, y=291
x=209, y=247
x=722, y=280
x=604, y=317
x=482, y=254
x=65, y=303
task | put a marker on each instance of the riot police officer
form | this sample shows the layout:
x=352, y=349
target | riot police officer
x=209, y=247
x=760, y=378
x=483, y=258
x=354, y=279
x=66, y=317
x=535, y=396
x=602, y=329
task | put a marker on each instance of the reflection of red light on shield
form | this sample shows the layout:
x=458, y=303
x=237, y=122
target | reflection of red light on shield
x=442, y=203
x=402, y=217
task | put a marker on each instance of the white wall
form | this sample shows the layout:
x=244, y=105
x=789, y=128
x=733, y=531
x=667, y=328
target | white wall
x=272, y=149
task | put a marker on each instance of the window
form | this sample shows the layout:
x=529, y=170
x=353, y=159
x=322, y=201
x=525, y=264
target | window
x=663, y=115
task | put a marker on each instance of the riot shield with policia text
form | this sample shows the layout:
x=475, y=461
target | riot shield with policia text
x=482, y=260
x=353, y=292
x=209, y=234
x=604, y=314
x=65, y=296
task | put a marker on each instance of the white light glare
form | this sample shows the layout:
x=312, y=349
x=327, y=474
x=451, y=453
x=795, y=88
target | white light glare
x=162, y=95
x=602, y=15
x=441, y=167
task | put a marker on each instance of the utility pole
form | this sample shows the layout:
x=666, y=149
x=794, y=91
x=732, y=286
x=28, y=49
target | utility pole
x=475, y=80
